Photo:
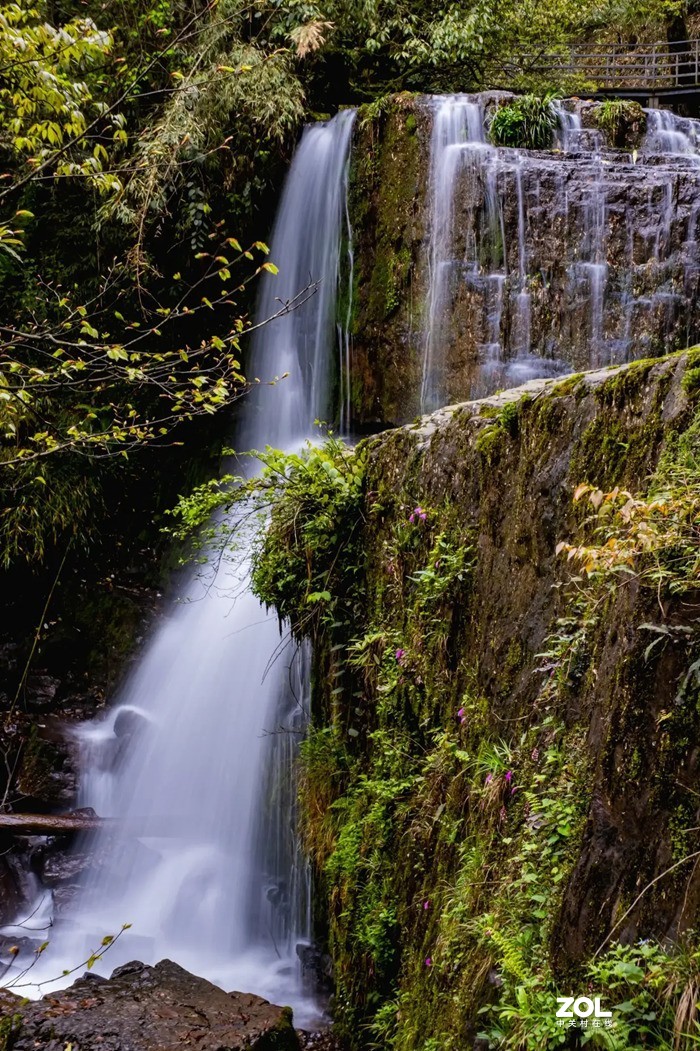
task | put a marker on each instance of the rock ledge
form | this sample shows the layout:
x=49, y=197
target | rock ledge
x=143, y=1008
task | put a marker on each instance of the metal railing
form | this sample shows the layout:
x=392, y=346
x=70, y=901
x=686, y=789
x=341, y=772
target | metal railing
x=643, y=67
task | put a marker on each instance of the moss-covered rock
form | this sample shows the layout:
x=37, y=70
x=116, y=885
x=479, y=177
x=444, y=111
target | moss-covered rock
x=388, y=178
x=498, y=781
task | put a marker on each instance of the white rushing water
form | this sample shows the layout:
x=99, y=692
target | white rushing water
x=195, y=761
x=470, y=181
x=670, y=134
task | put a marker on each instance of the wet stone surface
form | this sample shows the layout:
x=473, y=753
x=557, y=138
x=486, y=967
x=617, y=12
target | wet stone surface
x=142, y=1008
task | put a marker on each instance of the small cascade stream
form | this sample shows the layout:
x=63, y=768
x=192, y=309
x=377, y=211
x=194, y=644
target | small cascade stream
x=670, y=134
x=195, y=761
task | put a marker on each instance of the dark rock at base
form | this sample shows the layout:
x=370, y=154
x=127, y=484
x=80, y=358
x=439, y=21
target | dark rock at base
x=321, y=1041
x=316, y=967
x=63, y=867
x=161, y=1008
x=41, y=691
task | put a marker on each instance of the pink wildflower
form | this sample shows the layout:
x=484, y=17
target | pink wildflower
x=428, y=961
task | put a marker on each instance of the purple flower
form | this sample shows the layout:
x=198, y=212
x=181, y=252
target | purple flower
x=489, y=779
x=417, y=515
x=426, y=904
x=461, y=716
x=400, y=654
x=428, y=961
x=509, y=776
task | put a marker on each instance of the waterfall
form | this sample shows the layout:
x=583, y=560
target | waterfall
x=570, y=129
x=539, y=261
x=670, y=134
x=195, y=761
x=307, y=240
x=473, y=272
x=458, y=130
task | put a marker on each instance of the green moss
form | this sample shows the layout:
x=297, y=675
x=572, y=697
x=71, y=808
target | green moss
x=282, y=1036
x=383, y=187
x=490, y=442
x=691, y=381
x=10, y=1025
x=510, y=417
x=627, y=382
x=571, y=385
x=619, y=445
x=514, y=662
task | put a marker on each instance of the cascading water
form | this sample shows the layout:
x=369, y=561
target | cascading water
x=671, y=134
x=570, y=130
x=471, y=267
x=195, y=762
x=540, y=261
x=457, y=131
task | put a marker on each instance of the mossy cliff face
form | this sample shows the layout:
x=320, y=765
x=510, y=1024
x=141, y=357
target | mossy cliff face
x=558, y=258
x=388, y=188
x=499, y=781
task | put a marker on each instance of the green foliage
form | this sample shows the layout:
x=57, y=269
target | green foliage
x=48, y=99
x=650, y=537
x=616, y=116
x=447, y=569
x=52, y=505
x=232, y=109
x=316, y=497
x=528, y=123
x=382, y=46
x=96, y=364
x=503, y=424
x=652, y=994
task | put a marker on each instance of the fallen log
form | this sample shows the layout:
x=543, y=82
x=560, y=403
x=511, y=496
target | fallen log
x=52, y=824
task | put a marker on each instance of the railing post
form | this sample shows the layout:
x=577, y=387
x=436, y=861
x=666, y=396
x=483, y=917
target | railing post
x=655, y=62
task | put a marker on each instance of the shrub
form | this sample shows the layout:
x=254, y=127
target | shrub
x=528, y=122
x=616, y=117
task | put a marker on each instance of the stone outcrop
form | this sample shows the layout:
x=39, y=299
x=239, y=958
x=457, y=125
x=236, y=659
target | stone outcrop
x=141, y=1008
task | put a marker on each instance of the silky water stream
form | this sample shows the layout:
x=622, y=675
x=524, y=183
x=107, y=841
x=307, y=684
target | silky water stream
x=194, y=763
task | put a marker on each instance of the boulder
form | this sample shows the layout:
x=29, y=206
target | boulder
x=160, y=1008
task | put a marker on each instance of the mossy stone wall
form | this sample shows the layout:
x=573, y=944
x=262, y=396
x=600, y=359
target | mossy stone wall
x=500, y=772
